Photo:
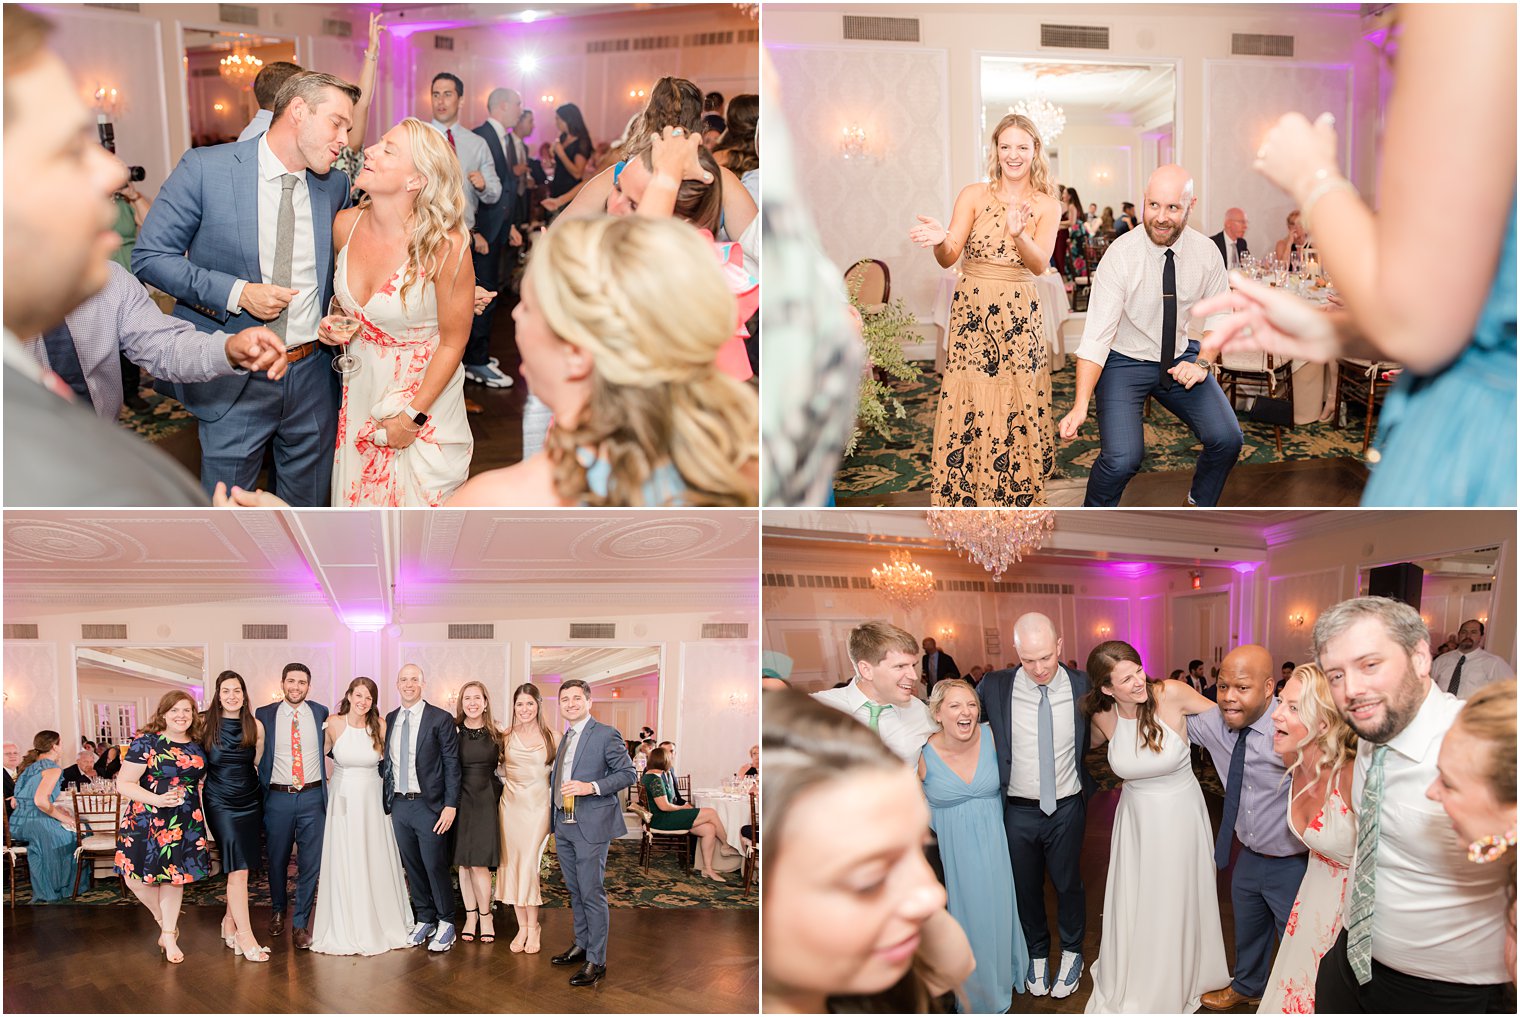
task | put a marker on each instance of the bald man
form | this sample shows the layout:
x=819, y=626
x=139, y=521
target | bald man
x=1136, y=345
x=1041, y=738
x=1231, y=240
x=1271, y=861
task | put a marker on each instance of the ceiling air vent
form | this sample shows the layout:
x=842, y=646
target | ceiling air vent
x=238, y=14
x=103, y=631
x=472, y=631
x=1073, y=37
x=1244, y=44
x=205, y=72
x=960, y=586
x=725, y=630
x=874, y=29
x=779, y=579
x=338, y=27
x=118, y=7
x=609, y=46
x=443, y=42
x=1477, y=588
x=21, y=630
x=266, y=632
x=593, y=630
x=657, y=42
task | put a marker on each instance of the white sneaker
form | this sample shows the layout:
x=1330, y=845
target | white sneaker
x=1039, y=978
x=1070, y=976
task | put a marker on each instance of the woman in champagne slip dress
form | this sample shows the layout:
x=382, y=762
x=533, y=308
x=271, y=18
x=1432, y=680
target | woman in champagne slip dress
x=994, y=430
x=413, y=326
x=525, y=814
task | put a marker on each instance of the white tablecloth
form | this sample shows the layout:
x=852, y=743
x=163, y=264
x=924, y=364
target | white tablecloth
x=733, y=810
x=1055, y=308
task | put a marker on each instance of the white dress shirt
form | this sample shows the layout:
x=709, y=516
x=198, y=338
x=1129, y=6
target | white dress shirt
x=258, y=125
x=903, y=729
x=1124, y=313
x=1435, y=914
x=474, y=157
x=411, y=785
x=1024, y=773
x=1481, y=668
x=521, y=159
x=305, y=310
x=312, y=748
x=565, y=771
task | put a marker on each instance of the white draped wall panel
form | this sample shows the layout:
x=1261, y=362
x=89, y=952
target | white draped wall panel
x=31, y=693
x=260, y=662
x=719, y=716
x=446, y=666
x=1306, y=593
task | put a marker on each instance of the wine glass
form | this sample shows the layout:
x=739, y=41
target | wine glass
x=342, y=325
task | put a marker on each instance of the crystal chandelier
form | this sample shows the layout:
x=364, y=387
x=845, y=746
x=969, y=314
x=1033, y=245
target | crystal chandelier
x=903, y=582
x=1048, y=118
x=753, y=10
x=240, y=67
x=993, y=538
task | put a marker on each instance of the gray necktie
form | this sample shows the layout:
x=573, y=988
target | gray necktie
x=1045, y=727
x=284, y=247
x=406, y=745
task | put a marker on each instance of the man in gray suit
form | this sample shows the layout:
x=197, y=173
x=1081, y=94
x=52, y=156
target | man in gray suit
x=240, y=235
x=58, y=215
x=591, y=768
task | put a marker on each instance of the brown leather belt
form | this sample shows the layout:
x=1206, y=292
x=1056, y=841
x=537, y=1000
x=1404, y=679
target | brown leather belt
x=301, y=352
x=291, y=789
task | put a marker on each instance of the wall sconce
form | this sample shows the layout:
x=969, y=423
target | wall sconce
x=453, y=697
x=637, y=93
x=1297, y=619
x=852, y=143
x=107, y=100
x=546, y=98
x=1102, y=176
x=276, y=696
x=1104, y=631
x=220, y=107
x=947, y=632
x=737, y=699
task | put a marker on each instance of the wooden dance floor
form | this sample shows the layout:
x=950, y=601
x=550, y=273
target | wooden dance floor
x=93, y=959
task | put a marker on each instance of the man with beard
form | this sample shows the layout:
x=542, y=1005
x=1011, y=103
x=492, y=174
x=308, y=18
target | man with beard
x=1135, y=345
x=1424, y=927
x=1469, y=667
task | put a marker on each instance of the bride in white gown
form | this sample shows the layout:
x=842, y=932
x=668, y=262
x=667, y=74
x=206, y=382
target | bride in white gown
x=1162, y=947
x=403, y=268
x=362, y=906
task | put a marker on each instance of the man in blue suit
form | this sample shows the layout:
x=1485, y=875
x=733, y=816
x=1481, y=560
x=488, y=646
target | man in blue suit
x=422, y=790
x=1041, y=736
x=292, y=771
x=592, y=767
x=241, y=235
x=496, y=230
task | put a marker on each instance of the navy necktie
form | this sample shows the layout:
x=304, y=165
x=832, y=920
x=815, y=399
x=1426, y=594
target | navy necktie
x=63, y=358
x=1168, y=317
x=1231, y=801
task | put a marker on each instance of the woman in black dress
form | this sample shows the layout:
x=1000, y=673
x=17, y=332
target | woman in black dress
x=477, y=839
x=161, y=842
x=234, y=739
x=571, y=151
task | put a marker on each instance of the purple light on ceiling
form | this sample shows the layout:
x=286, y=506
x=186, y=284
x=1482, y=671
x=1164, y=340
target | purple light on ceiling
x=363, y=621
x=1245, y=568
x=1130, y=569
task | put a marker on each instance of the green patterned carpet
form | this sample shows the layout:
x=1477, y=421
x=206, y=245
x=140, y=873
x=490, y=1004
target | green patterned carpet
x=662, y=885
x=902, y=463
x=165, y=414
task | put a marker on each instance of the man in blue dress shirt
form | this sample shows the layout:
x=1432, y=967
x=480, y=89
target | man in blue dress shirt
x=1271, y=861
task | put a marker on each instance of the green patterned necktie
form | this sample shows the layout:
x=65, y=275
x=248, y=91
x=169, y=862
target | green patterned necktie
x=876, y=711
x=1363, y=891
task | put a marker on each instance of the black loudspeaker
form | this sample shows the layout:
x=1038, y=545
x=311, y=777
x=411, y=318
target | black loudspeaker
x=1403, y=581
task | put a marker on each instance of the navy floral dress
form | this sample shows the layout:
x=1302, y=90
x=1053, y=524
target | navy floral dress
x=165, y=845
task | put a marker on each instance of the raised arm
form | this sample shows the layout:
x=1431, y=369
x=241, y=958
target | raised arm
x=366, y=85
x=948, y=242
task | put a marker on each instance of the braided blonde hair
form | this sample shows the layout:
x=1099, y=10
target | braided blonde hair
x=437, y=209
x=1039, y=167
x=647, y=298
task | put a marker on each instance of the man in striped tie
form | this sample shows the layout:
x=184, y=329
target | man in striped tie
x=1424, y=927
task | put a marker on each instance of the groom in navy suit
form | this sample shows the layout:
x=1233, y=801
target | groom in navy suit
x=422, y=791
x=592, y=766
x=292, y=772
x=241, y=235
x=1041, y=736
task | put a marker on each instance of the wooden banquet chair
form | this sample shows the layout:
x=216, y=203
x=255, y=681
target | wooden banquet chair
x=15, y=856
x=683, y=785
x=752, y=842
x=1358, y=380
x=1255, y=376
x=652, y=841
x=97, y=814
x=870, y=282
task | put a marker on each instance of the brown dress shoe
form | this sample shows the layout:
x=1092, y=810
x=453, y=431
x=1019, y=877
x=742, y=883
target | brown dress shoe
x=471, y=406
x=302, y=938
x=1227, y=999
x=277, y=924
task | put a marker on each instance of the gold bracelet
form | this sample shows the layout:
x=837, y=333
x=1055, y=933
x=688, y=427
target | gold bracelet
x=1324, y=187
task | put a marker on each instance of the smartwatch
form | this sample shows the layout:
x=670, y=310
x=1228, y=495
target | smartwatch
x=418, y=417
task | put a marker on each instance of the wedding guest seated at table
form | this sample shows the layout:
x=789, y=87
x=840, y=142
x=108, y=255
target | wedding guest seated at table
x=1319, y=748
x=854, y=919
x=753, y=769
x=1450, y=321
x=109, y=762
x=82, y=772
x=661, y=794
x=1476, y=786
x=44, y=823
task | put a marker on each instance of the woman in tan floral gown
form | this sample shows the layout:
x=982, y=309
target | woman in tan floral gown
x=993, y=432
